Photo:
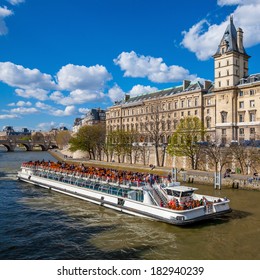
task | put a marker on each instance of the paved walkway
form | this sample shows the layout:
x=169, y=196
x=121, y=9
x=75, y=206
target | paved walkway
x=138, y=167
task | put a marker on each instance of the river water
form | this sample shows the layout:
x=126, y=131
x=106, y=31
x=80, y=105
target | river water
x=39, y=224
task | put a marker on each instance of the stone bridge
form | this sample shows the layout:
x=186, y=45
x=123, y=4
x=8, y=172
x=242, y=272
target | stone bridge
x=29, y=145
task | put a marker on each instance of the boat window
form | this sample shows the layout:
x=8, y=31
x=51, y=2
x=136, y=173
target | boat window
x=169, y=192
x=187, y=194
x=176, y=194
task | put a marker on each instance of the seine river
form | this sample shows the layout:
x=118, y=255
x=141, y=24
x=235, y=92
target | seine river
x=39, y=224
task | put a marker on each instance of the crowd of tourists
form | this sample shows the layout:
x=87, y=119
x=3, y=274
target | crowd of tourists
x=104, y=174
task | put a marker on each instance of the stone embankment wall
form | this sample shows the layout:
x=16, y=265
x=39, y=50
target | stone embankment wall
x=249, y=183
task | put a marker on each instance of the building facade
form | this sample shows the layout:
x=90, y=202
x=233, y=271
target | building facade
x=228, y=107
x=93, y=117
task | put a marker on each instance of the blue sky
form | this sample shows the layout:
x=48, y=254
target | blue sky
x=59, y=58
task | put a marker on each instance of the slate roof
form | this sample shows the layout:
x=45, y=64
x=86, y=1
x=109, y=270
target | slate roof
x=136, y=100
x=230, y=38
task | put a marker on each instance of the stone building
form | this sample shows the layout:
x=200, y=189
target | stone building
x=92, y=117
x=228, y=107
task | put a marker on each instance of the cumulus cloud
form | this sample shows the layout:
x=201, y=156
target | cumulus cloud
x=24, y=78
x=15, y=2
x=46, y=126
x=77, y=96
x=68, y=111
x=84, y=111
x=37, y=93
x=24, y=111
x=236, y=2
x=21, y=104
x=203, y=38
x=153, y=68
x=139, y=90
x=116, y=93
x=4, y=12
x=8, y=116
x=74, y=77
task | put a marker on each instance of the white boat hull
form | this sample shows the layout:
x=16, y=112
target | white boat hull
x=126, y=205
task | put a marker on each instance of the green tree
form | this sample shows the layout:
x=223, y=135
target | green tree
x=90, y=139
x=184, y=141
x=62, y=138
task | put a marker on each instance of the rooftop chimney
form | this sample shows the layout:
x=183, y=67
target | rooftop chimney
x=185, y=84
x=240, y=40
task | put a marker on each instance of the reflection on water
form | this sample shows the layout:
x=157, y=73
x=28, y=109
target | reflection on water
x=41, y=224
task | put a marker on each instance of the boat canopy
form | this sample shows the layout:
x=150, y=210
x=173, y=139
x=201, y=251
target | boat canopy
x=180, y=191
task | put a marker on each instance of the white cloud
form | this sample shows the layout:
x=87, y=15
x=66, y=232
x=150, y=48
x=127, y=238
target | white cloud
x=74, y=77
x=84, y=110
x=153, y=68
x=4, y=12
x=203, y=38
x=46, y=126
x=8, y=116
x=56, y=96
x=77, y=96
x=37, y=93
x=15, y=2
x=44, y=106
x=68, y=111
x=24, y=78
x=139, y=90
x=21, y=104
x=116, y=93
x=236, y=2
x=24, y=111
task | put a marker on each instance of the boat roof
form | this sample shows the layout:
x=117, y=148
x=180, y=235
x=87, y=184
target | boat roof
x=182, y=188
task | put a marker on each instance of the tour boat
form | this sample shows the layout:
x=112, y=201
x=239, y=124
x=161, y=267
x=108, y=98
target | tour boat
x=170, y=203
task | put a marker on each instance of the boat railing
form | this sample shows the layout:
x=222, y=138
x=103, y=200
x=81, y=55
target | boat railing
x=95, y=184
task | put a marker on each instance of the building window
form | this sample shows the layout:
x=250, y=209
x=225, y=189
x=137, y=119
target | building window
x=241, y=117
x=251, y=117
x=208, y=101
x=196, y=101
x=241, y=93
x=252, y=103
x=175, y=115
x=188, y=113
x=252, y=130
x=219, y=84
x=219, y=64
x=208, y=122
x=176, y=104
x=227, y=82
x=223, y=117
x=196, y=112
x=182, y=114
x=189, y=102
x=182, y=103
x=252, y=92
x=241, y=131
x=241, y=104
x=227, y=72
x=208, y=111
x=227, y=62
x=224, y=132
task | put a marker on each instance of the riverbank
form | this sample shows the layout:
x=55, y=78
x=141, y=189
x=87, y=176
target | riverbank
x=236, y=181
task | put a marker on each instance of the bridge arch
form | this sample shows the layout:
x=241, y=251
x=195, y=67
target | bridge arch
x=9, y=148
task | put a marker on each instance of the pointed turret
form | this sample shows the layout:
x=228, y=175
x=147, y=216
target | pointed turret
x=231, y=59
